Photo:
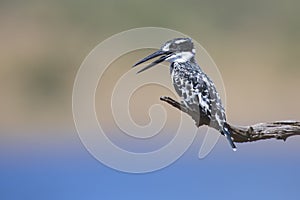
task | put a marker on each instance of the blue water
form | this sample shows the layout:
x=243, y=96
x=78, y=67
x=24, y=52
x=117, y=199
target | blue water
x=41, y=169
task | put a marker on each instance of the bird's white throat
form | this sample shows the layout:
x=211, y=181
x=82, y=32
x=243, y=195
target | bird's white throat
x=181, y=57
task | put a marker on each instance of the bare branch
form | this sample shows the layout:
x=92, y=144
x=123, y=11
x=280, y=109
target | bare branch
x=280, y=130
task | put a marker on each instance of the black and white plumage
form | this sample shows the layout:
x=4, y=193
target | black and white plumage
x=197, y=91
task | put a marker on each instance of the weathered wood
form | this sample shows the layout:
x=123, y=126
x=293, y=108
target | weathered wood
x=280, y=130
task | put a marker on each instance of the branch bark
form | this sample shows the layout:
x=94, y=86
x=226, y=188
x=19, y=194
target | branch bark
x=279, y=130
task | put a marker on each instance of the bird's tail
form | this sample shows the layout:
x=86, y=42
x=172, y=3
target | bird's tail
x=227, y=133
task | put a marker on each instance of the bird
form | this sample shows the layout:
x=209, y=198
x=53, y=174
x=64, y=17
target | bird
x=192, y=84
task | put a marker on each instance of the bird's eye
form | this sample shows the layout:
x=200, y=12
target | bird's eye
x=172, y=46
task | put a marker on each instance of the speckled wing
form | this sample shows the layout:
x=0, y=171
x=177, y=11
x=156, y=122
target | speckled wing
x=198, y=93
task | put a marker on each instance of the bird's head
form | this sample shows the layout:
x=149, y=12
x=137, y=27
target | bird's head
x=176, y=50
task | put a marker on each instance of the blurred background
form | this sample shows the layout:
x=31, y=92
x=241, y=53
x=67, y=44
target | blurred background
x=255, y=44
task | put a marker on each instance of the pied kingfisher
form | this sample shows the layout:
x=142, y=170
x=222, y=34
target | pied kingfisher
x=195, y=88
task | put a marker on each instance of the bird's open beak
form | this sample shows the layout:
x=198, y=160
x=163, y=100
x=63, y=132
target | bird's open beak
x=164, y=55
